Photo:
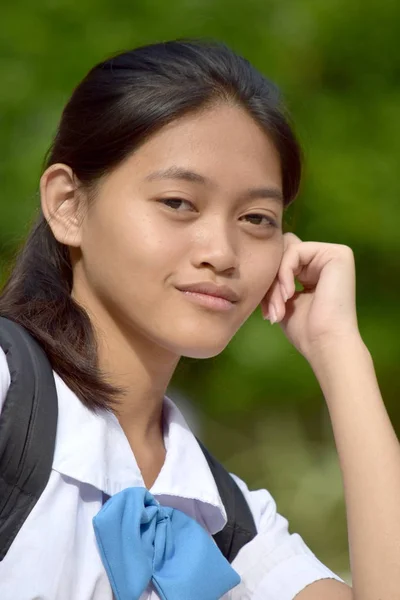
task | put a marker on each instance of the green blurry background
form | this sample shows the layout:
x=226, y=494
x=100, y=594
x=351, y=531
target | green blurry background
x=258, y=405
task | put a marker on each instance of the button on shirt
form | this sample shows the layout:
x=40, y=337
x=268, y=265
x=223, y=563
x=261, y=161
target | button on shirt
x=55, y=555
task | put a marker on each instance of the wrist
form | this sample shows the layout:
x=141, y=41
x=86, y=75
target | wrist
x=337, y=352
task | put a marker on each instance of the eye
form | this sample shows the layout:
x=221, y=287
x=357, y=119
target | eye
x=177, y=204
x=260, y=220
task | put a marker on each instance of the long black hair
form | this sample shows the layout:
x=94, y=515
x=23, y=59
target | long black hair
x=115, y=108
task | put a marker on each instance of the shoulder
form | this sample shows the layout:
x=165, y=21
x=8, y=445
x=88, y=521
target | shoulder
x=276, y=563
x=5, y=379
x=261, y=503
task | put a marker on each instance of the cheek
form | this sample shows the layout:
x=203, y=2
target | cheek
x=261, y=270
x=129, y=249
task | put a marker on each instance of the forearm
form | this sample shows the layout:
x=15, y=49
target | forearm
x=369, y=455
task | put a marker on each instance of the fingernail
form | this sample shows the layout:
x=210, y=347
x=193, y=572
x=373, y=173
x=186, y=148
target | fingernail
x=272, y=314
x=284, y=294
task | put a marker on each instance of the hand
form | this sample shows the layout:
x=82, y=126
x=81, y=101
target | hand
x=325, y=311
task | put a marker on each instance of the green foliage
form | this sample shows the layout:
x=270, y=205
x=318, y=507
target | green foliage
x=337, y=64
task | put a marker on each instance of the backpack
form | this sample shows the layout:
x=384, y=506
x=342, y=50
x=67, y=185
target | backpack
x=28, y=425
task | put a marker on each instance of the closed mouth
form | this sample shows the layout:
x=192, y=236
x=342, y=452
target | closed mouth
x=211, y=289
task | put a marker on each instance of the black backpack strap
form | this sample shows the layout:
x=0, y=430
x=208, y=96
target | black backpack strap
x=240, y=527
x=28, y=427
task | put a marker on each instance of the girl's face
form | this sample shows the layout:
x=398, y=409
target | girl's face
x=200, y=202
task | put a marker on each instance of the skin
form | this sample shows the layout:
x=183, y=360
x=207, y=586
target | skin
x=135, y=242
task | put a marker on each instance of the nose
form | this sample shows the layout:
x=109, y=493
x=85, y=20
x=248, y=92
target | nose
x=215, y=246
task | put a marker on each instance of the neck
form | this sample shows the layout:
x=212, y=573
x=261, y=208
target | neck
x=144, y=370
x=141, y=367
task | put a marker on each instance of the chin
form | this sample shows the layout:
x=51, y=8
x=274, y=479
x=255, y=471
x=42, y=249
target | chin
x=199, y=338
x=193, y=337
x=203, y=347
x=202, y=352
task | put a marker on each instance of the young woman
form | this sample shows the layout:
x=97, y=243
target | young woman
x=160, y=232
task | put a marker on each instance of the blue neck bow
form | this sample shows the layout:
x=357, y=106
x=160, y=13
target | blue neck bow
x=141, y=541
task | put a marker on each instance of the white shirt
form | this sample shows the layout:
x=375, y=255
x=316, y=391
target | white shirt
x=55, y=555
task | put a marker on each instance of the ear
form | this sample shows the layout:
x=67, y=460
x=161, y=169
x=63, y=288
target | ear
x=62, y=203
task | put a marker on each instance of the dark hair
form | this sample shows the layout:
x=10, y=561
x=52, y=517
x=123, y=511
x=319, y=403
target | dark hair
x=119, y=103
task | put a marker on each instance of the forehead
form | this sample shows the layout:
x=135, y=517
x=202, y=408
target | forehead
x=223, y=142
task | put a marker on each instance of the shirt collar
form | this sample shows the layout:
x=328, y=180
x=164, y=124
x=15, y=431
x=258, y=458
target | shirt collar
x=92, y=448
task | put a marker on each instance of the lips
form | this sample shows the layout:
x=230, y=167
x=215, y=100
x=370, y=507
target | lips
x=211, y=289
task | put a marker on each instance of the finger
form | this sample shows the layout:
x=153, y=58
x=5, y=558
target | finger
x=289, y=239
x=273, y=303
x=277, y=294
x=304, y=261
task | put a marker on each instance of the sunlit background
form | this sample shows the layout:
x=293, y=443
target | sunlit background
x=258, y=405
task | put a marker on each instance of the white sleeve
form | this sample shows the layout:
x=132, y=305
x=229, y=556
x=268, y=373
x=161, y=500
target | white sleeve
x=5, y=379
x=275, y=565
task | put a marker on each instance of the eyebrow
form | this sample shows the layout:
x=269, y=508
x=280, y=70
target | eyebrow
x=175, y=172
